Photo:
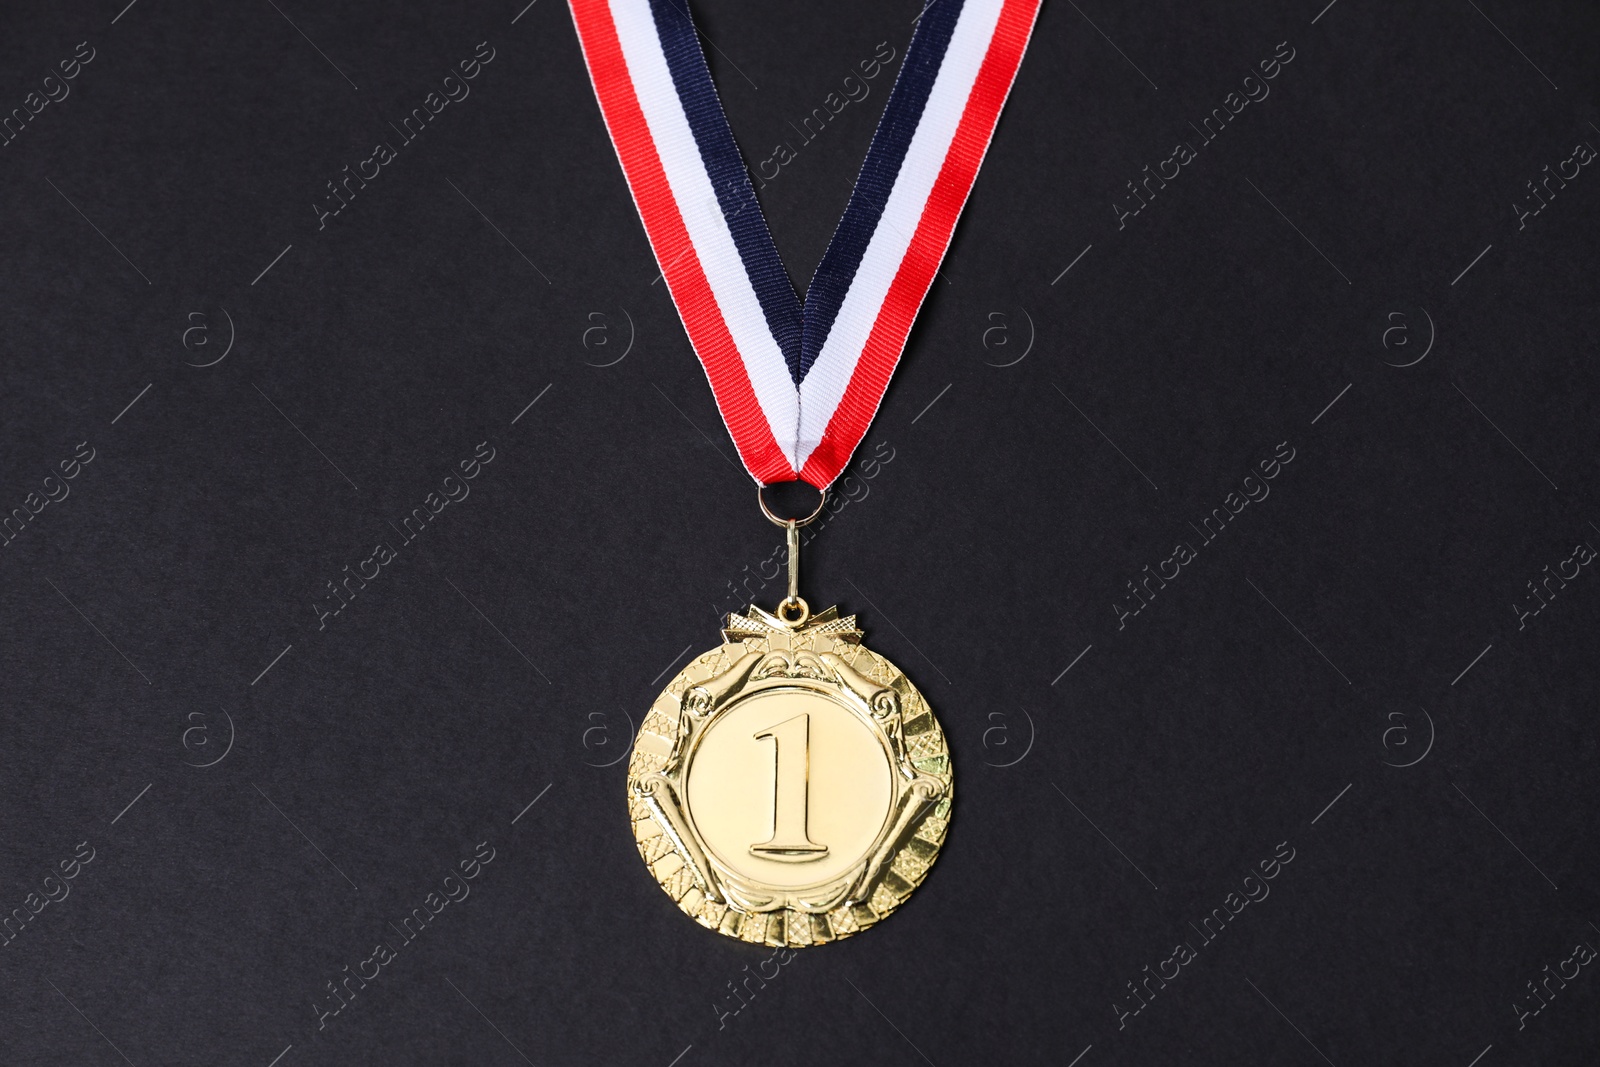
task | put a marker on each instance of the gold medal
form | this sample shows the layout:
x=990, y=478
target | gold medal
x=790, y=787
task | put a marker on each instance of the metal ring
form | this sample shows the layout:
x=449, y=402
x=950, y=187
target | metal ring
x=785, y=522
x=798, y=604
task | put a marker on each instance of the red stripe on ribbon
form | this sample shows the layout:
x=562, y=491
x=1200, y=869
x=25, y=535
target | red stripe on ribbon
x=669, y=237
x=928, y=244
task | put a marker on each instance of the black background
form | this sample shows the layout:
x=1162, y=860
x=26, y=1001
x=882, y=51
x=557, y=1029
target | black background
x=1360, y=618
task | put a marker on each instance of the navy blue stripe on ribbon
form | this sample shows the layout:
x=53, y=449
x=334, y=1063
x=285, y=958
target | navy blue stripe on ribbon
x=901, y=115
x=800, y=330
x=729, y=178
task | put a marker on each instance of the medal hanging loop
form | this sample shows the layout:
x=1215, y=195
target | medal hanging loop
x=793, y=611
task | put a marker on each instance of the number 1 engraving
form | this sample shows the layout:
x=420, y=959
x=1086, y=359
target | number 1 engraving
x=791, y=767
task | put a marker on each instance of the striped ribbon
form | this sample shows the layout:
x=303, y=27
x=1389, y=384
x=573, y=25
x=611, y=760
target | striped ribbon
x=797, y=382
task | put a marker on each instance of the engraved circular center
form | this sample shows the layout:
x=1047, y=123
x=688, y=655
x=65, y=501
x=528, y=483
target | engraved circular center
x=789, y=787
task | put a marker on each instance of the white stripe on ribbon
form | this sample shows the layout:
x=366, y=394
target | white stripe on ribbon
x=824, y=385
x=702, y=216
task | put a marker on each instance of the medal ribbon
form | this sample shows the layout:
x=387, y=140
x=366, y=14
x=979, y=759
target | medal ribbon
x=799, y=383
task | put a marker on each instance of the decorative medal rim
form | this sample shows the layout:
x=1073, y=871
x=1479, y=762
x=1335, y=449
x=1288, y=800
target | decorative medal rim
x=780, y=654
